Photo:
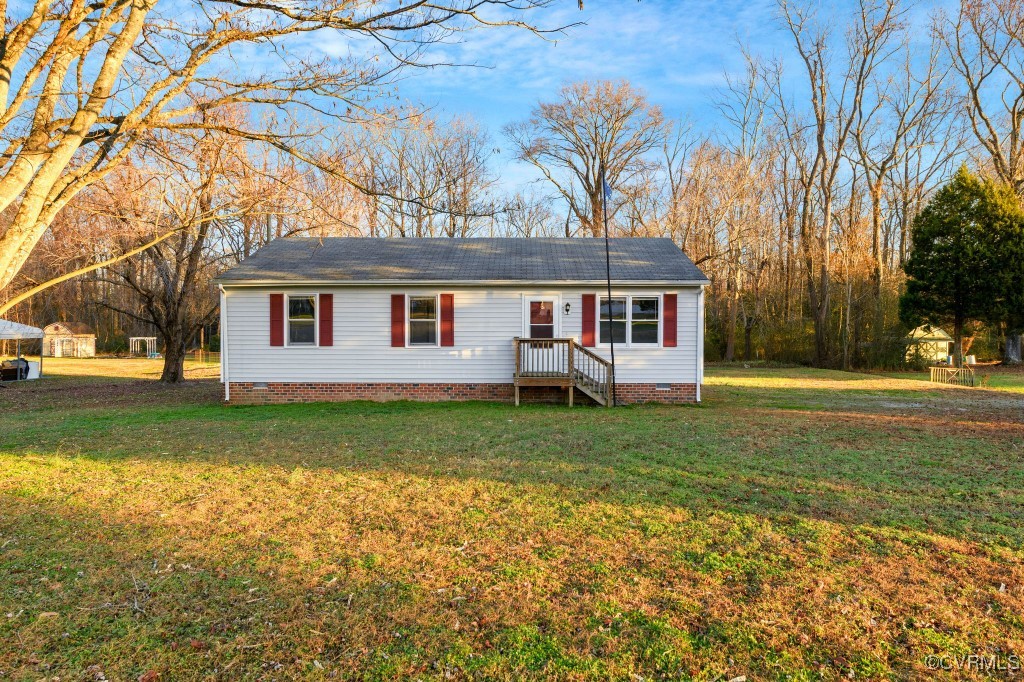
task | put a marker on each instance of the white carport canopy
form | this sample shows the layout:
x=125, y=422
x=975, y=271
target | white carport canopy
x=15, y=331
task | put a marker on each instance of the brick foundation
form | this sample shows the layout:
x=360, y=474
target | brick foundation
x=675, y=394
x=247, y=393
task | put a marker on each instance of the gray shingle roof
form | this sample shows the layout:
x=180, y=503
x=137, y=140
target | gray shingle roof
x=358, y=259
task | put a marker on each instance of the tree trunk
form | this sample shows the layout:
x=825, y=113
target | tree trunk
x=748, y=344
x=790, y=254
x=174, y=358
x=958, y=341
x=904, y=232
x=819, y=293
x=879, y=266
x=597, y=209
x=730, y=331
x=847, y=325
x=1012, y=354
x=821, y=335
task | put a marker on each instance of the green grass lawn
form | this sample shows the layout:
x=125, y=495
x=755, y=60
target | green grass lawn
x=799, y=524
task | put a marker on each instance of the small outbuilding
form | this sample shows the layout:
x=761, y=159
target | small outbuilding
x=63, y=340
x=928, y=344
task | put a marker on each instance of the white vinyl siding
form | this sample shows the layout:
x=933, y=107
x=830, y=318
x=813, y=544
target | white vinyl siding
x=486, y=320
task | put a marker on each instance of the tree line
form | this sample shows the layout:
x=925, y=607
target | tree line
x=798, y=200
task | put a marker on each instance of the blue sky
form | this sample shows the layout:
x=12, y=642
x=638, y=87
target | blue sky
x=675, y=50
x=678, y=51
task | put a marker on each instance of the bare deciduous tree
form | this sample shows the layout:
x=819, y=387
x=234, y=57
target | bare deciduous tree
x=196, y=183
x=426, y=178
x=895, y=106
x=529, y=214
x=86, y=81
x=589, y=126
x=818, y=138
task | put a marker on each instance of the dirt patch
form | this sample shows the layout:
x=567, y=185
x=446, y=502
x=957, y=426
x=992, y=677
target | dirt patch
x=62, y=393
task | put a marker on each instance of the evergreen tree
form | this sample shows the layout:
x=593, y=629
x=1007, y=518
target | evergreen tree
x=967, y=262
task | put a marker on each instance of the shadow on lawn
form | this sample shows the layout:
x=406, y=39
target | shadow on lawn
x=409, y=539
x=860, y=466
x=900, y=472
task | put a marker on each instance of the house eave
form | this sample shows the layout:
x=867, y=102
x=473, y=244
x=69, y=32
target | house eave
x=228, y=283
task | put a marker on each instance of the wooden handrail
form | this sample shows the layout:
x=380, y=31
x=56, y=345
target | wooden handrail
x=604, y=370
x=587, y=351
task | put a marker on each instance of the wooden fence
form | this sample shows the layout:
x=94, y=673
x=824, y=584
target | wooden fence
x=958, y=376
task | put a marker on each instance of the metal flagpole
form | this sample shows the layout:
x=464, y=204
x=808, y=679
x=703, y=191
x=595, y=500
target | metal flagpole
x=605, y=191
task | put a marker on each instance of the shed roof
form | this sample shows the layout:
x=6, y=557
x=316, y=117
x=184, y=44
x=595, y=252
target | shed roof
x=927, y=332
x=366, y=260
x=67, y=329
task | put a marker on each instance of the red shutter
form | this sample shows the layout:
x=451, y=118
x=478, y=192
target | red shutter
x=589, y=309
x=277, y=319
x=668, y=334
x=447, y=319
x=326, y=319
x=398, y=320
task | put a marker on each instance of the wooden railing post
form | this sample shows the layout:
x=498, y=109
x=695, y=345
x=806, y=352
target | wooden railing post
x=570, y=364
x=515, y=343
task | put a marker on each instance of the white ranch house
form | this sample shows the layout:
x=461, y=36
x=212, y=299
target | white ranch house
x=462, y=319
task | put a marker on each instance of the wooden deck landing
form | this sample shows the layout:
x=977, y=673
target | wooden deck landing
x=562, y=363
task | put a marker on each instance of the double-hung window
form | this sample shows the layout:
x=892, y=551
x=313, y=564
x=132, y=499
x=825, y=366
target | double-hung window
x=301, y=320
x=630, y=320
x=643, y=320
x=422, y=320
x=613, y=319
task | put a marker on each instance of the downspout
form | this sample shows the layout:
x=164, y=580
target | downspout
x=224, y=343
x=700, y=340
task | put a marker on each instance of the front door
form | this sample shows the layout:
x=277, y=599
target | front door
x=539, y=355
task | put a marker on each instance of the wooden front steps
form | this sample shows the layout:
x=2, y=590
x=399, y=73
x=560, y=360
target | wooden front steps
x=563, y=363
